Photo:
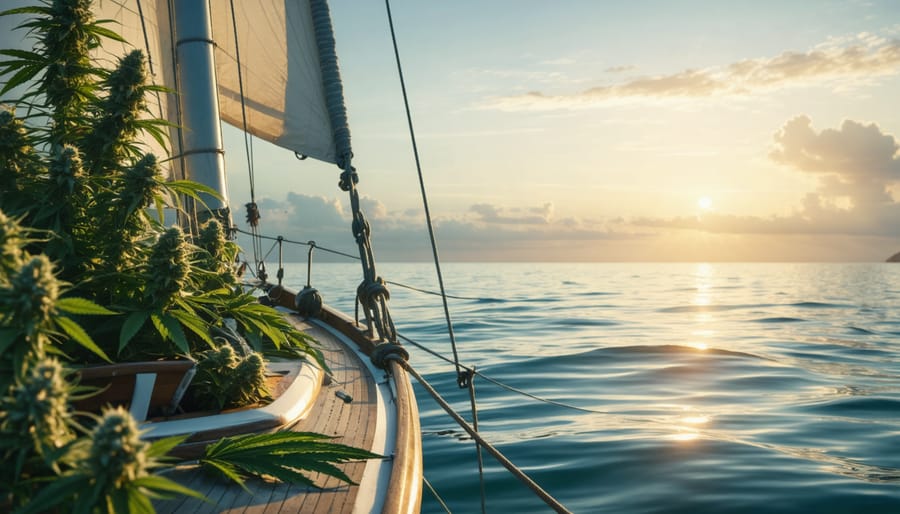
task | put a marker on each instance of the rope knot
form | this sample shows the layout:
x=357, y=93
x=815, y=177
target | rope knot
x=361, y=229
x=464, y=378
x=349, y=179
x=370, y=291
x=386, y=352
x=261, y=271
x=253, y=216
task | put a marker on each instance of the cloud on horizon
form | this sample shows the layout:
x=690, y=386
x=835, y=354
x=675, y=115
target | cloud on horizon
x=856, y=164
x=837, y=62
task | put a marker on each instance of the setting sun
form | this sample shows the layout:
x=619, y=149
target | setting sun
x=705, y=203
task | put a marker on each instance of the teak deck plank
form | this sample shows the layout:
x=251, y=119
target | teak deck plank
x=349, y=423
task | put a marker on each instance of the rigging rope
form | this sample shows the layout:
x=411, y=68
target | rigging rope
x=304, y=243
x=477, y=446
x=496, y=382
x=351, y=256
x=372, y=294
x=436, y=495
x=461, y=378
x=253, y=215
x=156, y=93
x=552, y=502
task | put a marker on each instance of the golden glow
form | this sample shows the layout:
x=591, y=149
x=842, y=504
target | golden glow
x=705, y=203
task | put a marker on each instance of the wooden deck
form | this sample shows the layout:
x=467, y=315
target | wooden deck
x=350, y=423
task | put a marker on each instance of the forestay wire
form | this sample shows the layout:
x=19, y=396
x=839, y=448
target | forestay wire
x=482, y=443
x=253, y=216
x=461, y=377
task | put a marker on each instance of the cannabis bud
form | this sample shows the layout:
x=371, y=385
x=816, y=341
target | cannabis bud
x=65, y=168
x=141, y=182
x=37, y=405
x=12, y=238
x=117, y=454
x=169, y=266
x=31, y=294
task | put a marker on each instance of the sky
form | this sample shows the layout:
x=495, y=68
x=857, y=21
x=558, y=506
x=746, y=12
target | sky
x=608, y=131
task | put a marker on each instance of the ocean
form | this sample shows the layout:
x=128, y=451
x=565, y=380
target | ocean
x=694, y=388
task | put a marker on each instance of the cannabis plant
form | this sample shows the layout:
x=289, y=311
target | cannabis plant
x=74, y=169
x=89, y=274
x=229, y=378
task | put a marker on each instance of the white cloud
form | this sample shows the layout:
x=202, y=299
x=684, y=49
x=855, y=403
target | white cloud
x=856, y=164
x=838, y=63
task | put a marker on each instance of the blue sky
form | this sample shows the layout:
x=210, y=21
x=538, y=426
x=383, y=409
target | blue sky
x=589, y=130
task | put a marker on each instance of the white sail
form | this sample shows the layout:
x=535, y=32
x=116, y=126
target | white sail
x=283, y=94
x=283, y=90
x=282, y=79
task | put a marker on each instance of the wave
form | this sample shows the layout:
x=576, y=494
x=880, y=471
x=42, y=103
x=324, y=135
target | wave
x=778, y=319
x=613, y=353
x=729, y=307
x=709, y=308
x=818, y=305
x=880, y=407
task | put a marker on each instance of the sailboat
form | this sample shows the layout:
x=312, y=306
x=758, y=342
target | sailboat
x=273, y=74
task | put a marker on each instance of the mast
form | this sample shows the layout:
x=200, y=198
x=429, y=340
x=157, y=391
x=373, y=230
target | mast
x=203, y=153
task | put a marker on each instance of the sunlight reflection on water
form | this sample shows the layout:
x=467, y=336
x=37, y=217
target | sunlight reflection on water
x=733, y=387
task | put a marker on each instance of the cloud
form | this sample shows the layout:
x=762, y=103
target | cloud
x=492, y=214
x=856, y=165
x=851, y=215
x=836, y=62
x=854, y=151
x=857, y=161
x=619, y=69
x=483, y=232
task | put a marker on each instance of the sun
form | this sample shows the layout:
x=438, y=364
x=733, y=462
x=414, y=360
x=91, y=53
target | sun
x=704, y=203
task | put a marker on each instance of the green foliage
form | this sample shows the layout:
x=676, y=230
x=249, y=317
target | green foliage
x=83, y=182
x=282, y=455
x=33, y=312
x=226, y=378
x=108, y=470
x=87, y=274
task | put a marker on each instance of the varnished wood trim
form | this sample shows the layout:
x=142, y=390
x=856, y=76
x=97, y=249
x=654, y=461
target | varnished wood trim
x=405, y=489
x=133, y=368
x=117, y=382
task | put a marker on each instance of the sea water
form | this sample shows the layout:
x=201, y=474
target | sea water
x=684, y=387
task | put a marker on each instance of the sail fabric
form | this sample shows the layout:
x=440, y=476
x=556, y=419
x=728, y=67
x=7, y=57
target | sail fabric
x=284, y=96
x=146, y=24
x=285, y=100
